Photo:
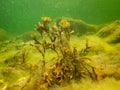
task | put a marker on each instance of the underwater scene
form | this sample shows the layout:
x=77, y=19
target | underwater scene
x=59, y=45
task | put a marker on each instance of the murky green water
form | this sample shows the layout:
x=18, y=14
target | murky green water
x=21, y=15
x=83, y=46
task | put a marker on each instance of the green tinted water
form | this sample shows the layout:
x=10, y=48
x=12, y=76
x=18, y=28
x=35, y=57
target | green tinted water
x=21, y=15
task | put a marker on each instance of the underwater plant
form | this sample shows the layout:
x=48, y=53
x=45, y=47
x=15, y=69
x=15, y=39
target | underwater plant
x=70, y=64
x=59, y=37
x=53, y=59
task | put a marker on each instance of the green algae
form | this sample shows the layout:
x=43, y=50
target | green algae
x=103, y=55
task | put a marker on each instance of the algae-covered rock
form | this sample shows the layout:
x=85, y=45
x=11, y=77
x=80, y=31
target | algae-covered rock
x=80, y=27
x=111, y=32
x=3, y=35
x=109, y=64
x=27, y=36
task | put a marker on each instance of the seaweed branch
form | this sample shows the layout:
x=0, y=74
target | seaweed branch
x=69, y=64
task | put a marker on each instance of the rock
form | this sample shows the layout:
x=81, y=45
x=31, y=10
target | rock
x=27, y=36
x=3, y=35
x=80, y=27
x=111, y=32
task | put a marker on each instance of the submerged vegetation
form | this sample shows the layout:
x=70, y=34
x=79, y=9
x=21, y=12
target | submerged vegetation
x=61, y=55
